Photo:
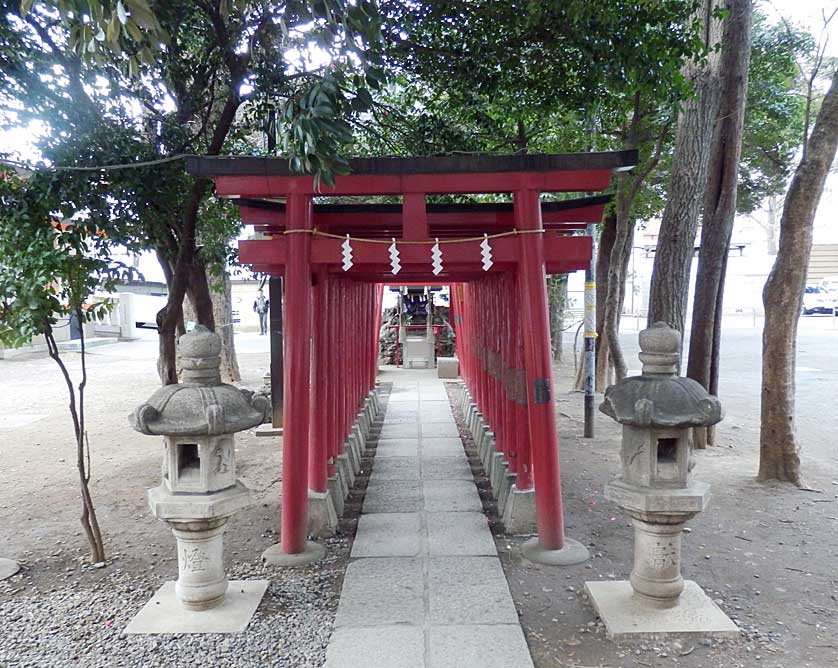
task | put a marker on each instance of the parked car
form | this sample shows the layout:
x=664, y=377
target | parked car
x=146, y=308
x=830, y=284
x=817, y=300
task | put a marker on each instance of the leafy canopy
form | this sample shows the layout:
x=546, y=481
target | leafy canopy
x=774, y=113
x=49, y=267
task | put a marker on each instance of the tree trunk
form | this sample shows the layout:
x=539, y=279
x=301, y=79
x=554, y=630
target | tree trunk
x=783, y=298
x=172, y=313
x=89, y=521
x=200, y=294
x=557, y=302
x=214, y=295
x=625, y=260
x=606, y=245
x=720, y=203
x=222, y=305
x=183, y=270
x=673, y=257
x=616, y=276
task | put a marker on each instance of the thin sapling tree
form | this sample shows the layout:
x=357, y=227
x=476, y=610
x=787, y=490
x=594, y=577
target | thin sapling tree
x=54, y=264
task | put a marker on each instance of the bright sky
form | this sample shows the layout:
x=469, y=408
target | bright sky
x=807, y=14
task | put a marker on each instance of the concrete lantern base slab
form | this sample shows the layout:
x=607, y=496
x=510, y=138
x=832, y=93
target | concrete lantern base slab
x=8, y=568
x=164, y=614
x=628, y=617
x=274, y=555
x=268, y=430
x=571, y=554
x=322, y=514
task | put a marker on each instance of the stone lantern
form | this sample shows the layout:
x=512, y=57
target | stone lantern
x=198, y=419
x=658, y=411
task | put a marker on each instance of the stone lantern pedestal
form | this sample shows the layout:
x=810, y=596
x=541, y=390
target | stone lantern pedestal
x=658, y=411
x=8, y=568
x=199, y=492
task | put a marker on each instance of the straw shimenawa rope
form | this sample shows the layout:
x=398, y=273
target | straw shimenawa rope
x=401, y=242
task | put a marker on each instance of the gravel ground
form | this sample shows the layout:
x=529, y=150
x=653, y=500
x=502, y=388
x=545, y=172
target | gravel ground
x=59, y=611
x=79, y=622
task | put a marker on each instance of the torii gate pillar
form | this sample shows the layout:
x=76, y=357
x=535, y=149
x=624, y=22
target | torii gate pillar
x=294, y=548
x=550, y=546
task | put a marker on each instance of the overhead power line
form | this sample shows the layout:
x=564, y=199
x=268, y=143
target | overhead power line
x=97, y=168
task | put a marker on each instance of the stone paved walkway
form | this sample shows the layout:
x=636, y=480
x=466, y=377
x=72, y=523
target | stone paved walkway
x=425, y=588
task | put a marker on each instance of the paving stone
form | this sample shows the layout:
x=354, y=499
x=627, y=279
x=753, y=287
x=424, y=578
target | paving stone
x=401, y=410
x=408, y=417
x=397, y=447
x=404, y=430
x=446, y=468
x=438, y=429
x=459, y=534
x=379, y=647
x=393, y=496
x=388, y=535
x=436, y=406
x=423, y=559
x=442, y=447
x=472, y=588
x=495, y=646
x=381, y=591
x=432, y=395
x=435, y=416
x=395, y=468
x=411, y=396
x=451, y=496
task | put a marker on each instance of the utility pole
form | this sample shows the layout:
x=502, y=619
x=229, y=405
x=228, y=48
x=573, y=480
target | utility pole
x=590, y=335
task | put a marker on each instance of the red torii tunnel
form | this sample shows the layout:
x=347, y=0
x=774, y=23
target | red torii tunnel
x=333, y=311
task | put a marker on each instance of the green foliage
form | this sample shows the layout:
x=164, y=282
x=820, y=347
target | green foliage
x=775, y=111
x=48, y=268
x=525, y=76
x=98, y=29
x=195, y=65
x=535, y=55
x=199, y=78
x=573, y=76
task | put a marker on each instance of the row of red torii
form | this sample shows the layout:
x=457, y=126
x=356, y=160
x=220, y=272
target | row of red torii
x=499, y=306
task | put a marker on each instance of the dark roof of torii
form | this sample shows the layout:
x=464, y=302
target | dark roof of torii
x=448, y=164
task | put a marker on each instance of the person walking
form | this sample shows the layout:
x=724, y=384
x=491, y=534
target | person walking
x=261, y=306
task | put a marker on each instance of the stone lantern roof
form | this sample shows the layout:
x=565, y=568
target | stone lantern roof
x=659, y=398
x=201, y=405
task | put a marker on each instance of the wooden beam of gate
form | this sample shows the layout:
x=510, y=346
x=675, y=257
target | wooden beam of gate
x=440, y=218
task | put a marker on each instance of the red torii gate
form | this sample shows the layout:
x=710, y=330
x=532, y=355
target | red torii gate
x=505, y=359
